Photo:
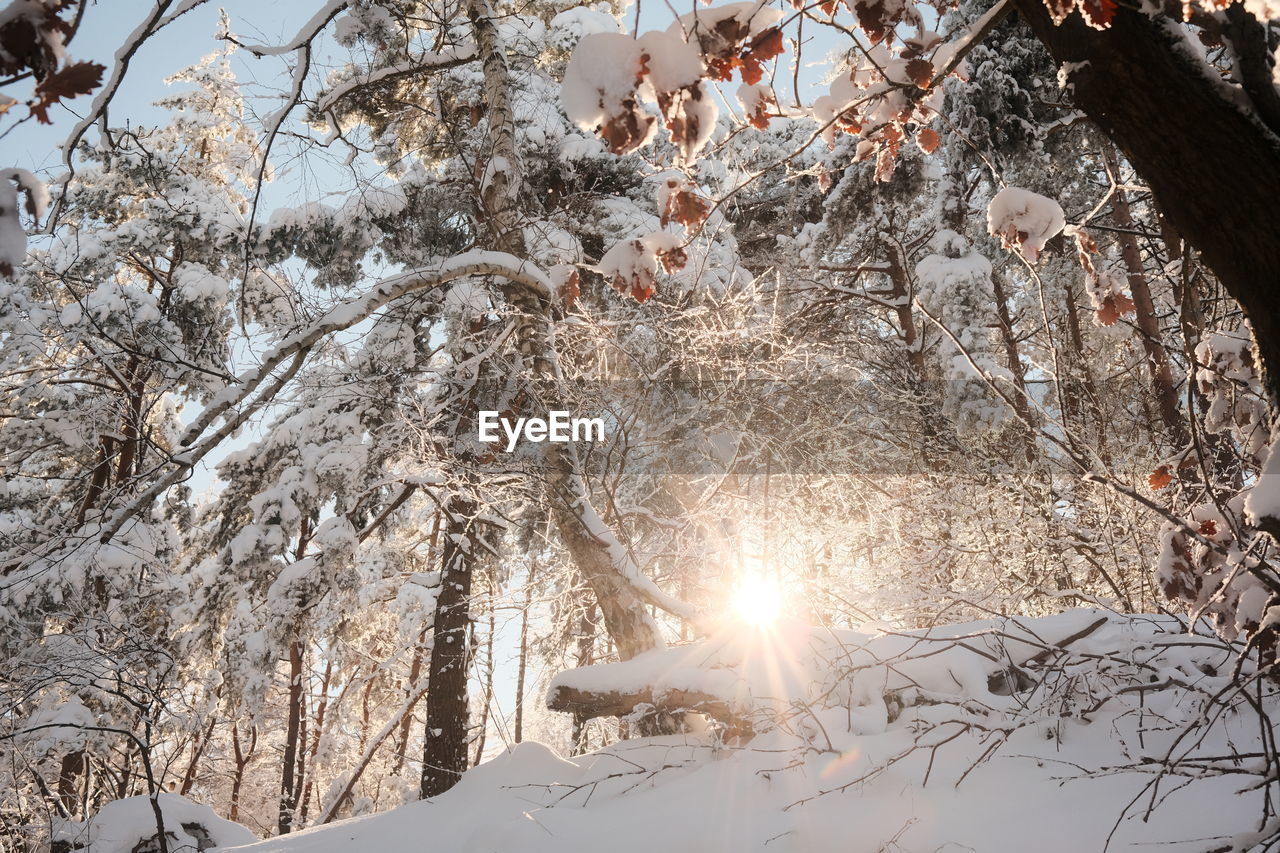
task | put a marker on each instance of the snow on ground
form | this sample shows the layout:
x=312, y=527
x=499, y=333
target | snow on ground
x=121, y=825
x=913, y=741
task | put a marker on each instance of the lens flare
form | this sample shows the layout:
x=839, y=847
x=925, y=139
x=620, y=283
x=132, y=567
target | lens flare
x=757, y=600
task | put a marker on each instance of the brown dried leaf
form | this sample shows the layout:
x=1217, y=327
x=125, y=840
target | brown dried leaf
x=79, y=78
x=569, y=289
x=672, y=260
x=1113, y=307
x=928, y=139
x=685, y=207
x=764, y=46
x=920, y=72
x=1160, y=478
x=626, y=132
x=1098, y=13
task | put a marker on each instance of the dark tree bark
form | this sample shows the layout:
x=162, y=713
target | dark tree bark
x=291, y=769
x=293, y=730
x=444, y=756
x=242, y=758
x=1213, y=168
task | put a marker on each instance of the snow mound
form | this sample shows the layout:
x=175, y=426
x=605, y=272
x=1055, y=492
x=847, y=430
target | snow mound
x=1046, y=734
x=129, y=826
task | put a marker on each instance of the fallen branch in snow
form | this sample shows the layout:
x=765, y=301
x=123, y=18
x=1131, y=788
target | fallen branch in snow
x=587, y=704
x=735, y=681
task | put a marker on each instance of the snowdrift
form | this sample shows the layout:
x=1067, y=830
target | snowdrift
x=1066, y=733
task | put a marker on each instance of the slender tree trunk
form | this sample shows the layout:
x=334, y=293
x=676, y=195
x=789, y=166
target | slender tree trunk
x=290, y=774
x=315, y=738
x=444, y=756
x=415, y=672
x=586, y=656
x=72, y=766
x=415, y=668
x=197, y=751
x=522, y=665
x=482, y=731
x=242, y=759
x=293, y=727
x=1013, y=361
x=604, y=561
x=1162, y=384
x=900, y=295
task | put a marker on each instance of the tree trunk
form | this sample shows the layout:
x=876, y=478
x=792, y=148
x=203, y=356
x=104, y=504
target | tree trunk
x=488, y=672
x=444, y=756
x=293, y=728
x=73, y=764
x=1162, y=385
x=290, y=772
x=523, y=664
x=315, y=738
x=620, y=590
x=197, y=752
x=242, y=758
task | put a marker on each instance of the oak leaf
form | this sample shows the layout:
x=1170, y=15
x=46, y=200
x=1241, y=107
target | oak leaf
x=1113, y=307
x=764, y=46
x=920, y=72
x=928, y=139
x=78, y=78
x=685, y=207
x=1098, y=13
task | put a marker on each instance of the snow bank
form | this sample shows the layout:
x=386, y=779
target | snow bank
x=124, y=825
x=941, y=764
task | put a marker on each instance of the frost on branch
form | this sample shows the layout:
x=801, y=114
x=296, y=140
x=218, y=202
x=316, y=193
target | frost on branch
x=955, y=287
x=1228, y=379
x=13, y=239
x=1218, y=562
x=881, y=97
x=632, y=265
x=1024, y=220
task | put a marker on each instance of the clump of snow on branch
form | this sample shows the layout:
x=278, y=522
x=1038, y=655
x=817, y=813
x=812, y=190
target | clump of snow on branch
x=632, y=266
x=13, y=238
x=611, y=77
x=1024, y=220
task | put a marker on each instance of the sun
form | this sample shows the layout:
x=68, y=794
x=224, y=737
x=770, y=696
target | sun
x=757, y=600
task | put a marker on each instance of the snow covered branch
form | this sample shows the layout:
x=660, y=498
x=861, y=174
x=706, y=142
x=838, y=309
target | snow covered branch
x=296, y=346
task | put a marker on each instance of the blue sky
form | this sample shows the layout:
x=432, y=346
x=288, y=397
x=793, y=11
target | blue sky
x=105, y=28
